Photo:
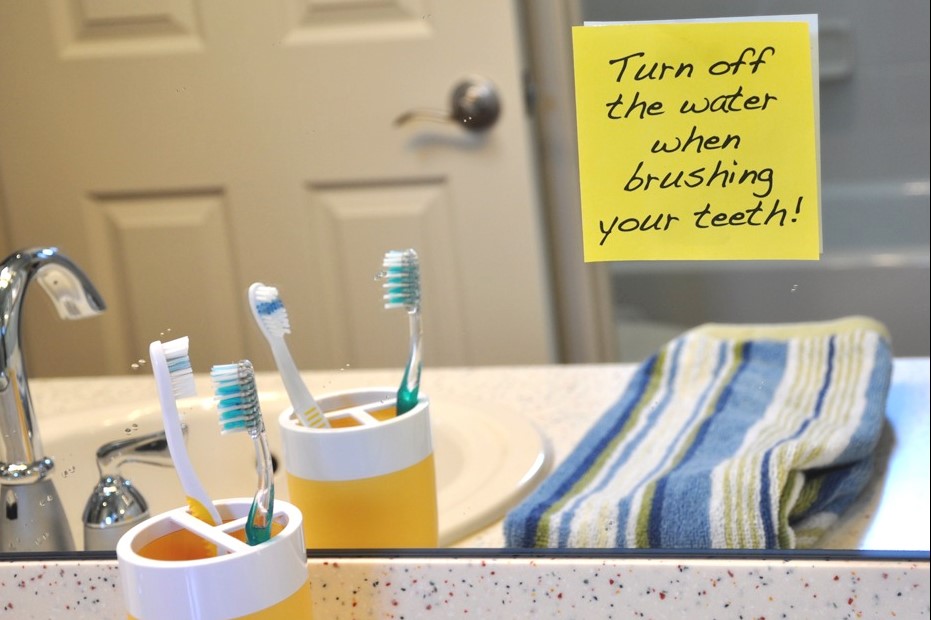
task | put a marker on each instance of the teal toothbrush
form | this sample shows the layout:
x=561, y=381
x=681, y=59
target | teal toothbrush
x=401, y=272
x=238, y=404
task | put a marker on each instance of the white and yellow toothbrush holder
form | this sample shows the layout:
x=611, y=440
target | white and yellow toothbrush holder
x=369, y=481
x=174, y=566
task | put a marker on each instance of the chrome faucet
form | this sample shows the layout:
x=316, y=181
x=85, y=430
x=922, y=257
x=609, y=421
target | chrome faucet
x=31, y=515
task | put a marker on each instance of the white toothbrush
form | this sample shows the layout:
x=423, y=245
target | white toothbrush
x=174, y=379
x=272, y=318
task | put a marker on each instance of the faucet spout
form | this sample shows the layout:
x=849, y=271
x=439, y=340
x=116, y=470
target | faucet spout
x=23, y=463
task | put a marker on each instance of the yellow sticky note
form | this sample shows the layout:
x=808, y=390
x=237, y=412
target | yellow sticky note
x=697, y=140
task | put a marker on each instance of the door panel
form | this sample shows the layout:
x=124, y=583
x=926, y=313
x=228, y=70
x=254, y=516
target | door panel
x=182, y=231
x=180, y=150
x=350, y=222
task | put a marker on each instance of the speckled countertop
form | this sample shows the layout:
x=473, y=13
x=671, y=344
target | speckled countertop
x=476, y=580
x=503, y=587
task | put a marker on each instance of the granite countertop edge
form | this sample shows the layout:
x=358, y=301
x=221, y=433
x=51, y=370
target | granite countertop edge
x=480, y=584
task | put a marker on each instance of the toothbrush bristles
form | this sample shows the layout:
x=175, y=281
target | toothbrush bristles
x=237, y=398
x=271, y=309
x=401, y=271
x=179, y=367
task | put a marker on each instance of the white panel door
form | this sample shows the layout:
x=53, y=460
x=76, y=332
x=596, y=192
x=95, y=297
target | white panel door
x=180, y=149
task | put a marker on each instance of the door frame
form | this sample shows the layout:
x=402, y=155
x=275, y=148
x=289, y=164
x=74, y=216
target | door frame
x=581, y=291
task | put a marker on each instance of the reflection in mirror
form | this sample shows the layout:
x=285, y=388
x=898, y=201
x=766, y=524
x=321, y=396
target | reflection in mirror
x=180, y=167
x=478, y=465
x=875, y=243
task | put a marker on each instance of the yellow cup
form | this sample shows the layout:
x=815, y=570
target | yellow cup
x=174, y=566
x=369, y=482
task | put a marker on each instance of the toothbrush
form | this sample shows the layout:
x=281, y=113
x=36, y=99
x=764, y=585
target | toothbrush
x=238, y=404
x=174, y=378
x=272, y=319
x=401, y=272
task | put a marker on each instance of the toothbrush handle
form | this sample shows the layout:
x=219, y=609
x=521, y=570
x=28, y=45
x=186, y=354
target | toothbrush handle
x=259, y=523
x=197, y=496
x=410, y=383
x=305, y=407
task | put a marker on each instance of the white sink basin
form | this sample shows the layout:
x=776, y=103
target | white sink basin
x=486, y=461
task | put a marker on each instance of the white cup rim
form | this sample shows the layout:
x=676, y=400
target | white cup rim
x=200, y=588
x=356, y=452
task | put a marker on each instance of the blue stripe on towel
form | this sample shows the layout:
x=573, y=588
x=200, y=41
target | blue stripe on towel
x=700, y=514
x=644, y=402
x=766, y=500
x=757, y=376
x=654, y=532
x=698, y=487
x=523, y=523
x=656, y=410
x=868, y=431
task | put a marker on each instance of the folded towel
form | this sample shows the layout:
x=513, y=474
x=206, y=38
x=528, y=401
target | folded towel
x=730, y=436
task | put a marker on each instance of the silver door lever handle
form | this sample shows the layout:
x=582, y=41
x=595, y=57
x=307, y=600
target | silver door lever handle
x=474, y=104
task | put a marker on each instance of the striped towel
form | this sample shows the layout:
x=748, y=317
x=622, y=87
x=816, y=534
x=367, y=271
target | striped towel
x=752, y=437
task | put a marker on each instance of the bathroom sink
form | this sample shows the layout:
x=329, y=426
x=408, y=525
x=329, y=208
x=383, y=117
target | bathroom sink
x=486, y=461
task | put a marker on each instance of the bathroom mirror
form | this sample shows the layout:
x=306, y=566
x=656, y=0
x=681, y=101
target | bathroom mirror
x=178, y=151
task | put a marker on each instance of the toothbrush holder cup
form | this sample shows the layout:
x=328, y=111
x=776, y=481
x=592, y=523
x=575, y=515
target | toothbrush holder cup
x=368, y=481
x=174, y=566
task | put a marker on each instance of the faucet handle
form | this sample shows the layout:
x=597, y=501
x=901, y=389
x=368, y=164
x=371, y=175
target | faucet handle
x=115, y=505
x=151, y=449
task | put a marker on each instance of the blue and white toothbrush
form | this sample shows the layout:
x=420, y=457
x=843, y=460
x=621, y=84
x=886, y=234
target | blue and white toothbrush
x=174, y=378
x=272, y=319
x=401, y=272
x=238, y=404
